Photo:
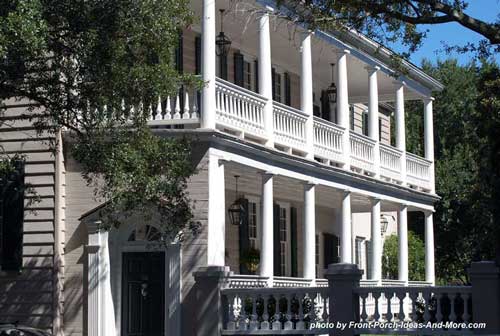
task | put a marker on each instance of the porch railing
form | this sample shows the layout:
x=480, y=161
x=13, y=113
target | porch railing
x=418, y=171
x=328, y=140
x=274, y=310
x=289, y=127
x=179, y=108
x=239, y=109
x=390, y=162
x=362, y=152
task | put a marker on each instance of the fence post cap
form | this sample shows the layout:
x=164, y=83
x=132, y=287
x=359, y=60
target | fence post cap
x=212, y=272
x=343, y=269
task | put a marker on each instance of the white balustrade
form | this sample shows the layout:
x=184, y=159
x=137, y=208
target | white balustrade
x=247, y=281
x=291, y=282
x=390, y=162
x=362, y=152
x=289, y=127
x=180, y=108
x=418, y=171
x=328, y=140
x=239, y=109
x=253, y=311
x=417, y=304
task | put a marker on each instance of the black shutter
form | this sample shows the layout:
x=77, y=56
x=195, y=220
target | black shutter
x=13, y=218
x=238, y=69
x=197, y=58
x=276, y=239
x=330, y=249
x=179, y=61
x=256, y=84
x=325, y=105
x=273, y=76
x=288, y=93
x=293, y=238
x=244, y=236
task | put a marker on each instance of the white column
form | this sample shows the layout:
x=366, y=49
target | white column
x=429, y=136
x=376, y=238
x=429, y=248
x=265, y=73
x=267, y=225
x=401, y=127
x=343, y=104
x=208, y=64
x=101, y=315
x=216, y=212
x=373, y=115
x=306, y=92
x=403, y=243
x=346, y=228
x=309, y=231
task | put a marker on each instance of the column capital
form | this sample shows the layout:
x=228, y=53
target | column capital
x=374, y=199
x=267, y=173
x=268, y=9
x=372, y=68
x=342, y=52
x=346, y=191
x=309, y=183
x=403, y=205
x=398, y=83
x=428, y=99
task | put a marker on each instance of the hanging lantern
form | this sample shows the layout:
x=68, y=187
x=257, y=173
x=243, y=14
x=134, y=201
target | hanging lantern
x=236, y=210
x=384, y=224
x=222, y=42
x=332, y=89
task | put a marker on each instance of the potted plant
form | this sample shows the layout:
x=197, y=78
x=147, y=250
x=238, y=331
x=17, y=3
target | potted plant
x=250, y=258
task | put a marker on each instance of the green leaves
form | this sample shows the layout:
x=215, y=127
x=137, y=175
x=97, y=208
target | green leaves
x=416, y=257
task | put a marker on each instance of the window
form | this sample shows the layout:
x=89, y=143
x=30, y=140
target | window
x=252, y=224
x=365, y=122
x=379, y=129
x=277, y=87
x=283, y=240
x=316, y=253
x=351, y=117
x=247, y=75
x=359, y=249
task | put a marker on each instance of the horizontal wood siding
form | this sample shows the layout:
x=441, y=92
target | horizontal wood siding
x=29, y=297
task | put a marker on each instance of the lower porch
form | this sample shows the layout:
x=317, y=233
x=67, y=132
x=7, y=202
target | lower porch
x=289, y=230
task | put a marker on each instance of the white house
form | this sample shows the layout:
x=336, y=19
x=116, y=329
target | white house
x=302, y=146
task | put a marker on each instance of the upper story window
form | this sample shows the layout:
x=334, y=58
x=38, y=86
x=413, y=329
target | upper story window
x=12, y=189
x=277, y=86
x=247, y=75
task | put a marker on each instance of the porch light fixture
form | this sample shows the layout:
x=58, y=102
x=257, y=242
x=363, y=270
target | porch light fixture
x=332, y=89
x=222, y=42
x=236, y=210
x=384, y=223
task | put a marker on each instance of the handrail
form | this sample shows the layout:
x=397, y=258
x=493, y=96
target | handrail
x=290, y=109
x=240, y=89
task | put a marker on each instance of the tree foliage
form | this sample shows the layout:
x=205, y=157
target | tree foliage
x=94, y=68
x=416, y=257
x=467, y=147
x=395, y=20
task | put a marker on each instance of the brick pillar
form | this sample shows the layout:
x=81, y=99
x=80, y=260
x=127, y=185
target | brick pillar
x=485, y=279
x=208, y=317
x=343, y=278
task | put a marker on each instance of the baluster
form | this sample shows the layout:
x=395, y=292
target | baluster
x=363, y=314
x=168, y=109
x=232, y=107
x=186, y=113
x=312, y=312
x=428, y=299
x=194, y=110
x=453, y=315
x=157, y=111
x=466, y=317
x=300, y=314
x=231, y=324
x=254, y=323
x=264, y=325
x=401, y=296
x=177, y=107
x=376, y=314
x=289, y=323
x=389, y=315
x=324, y=317
x=413, y=297
x=243, y=315
x=277, y=323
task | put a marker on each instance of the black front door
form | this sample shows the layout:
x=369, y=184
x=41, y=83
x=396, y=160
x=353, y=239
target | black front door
x=143, y=310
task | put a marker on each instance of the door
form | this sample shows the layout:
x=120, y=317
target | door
x=143, y=310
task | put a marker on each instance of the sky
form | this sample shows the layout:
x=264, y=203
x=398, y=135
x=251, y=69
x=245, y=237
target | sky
x=454, y=34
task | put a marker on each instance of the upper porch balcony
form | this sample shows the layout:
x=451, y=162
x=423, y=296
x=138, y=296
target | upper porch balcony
x=266, y=90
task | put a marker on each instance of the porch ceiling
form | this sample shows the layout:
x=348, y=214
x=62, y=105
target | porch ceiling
x=290, y=189
x=241, y=25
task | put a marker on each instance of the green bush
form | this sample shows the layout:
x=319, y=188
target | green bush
x=416, y=257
